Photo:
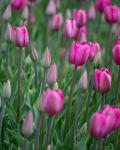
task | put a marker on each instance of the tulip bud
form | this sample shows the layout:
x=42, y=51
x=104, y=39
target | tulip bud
x=25, y=13
x=97, y=59
x=80, y=17
x=52, y=101
x=84, y=81
x=83, y=34
x=32, y=19
x=46, y=58
x=6, y=90
x=20, y=36
x=102, y=80
x=96, y=123
x=8, y=33
x=7, y=13
x=51, y=8
x=116, y=53
x=62, y=52
x=39, y=103
x=27, y=125
x=33, y=53
x=28, y=60
x=56, y=22
x=55, y=86
x=17, y=4
x=91, y=12
x=52, y=74
x=68, y=13
x=79, y=53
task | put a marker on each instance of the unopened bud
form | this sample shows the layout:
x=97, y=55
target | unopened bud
x=7, y=13
x=8, y=33
x=25, y=13
x=6, y=90
x=97, y=59
x=27, y=126
x=33, y=53
x=39, y=103
x=46, y=58
x=84, y=81
x=68, y=13
x=52, y=74
x=28, y=60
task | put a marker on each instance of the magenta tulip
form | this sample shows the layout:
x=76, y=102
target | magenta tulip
x=116, y=53
x=112, y=14
x=79, y=53
x=101, y=4
x=94, y=49
x=17, y=4
x=52, y=101
x=102, y=80
x=20, y=36
x=99, y=125
x=56, y=22
x=80, y=16
x=70, y=29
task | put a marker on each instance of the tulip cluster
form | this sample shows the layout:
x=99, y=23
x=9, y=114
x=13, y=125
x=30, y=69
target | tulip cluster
x=104, y=121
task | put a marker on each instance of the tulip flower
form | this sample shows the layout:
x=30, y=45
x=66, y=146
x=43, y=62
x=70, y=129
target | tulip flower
x=99, y=125
x=46, y=58
x=51, y=8
x=102, y=80
x=27, y=125
x=94, y=49
x=17, y=4
x=112, y=14
x=56, y=22
x=83, y=34
x=116, y=53
x=70, y=29
x=52, y=74
x=101, y=4
x=80, y=16
x=78, y=53
x=52, y=101
x=7, y=13
x=20, y=36
x=91, y=12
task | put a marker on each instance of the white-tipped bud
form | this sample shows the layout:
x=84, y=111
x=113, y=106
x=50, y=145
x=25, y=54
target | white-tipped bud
x=55, y=86
x=97, y=59
x=46, y=58
x=8, y=33
x=33, y=53
x=28, y=60
x=68, y=13
x=7, y=13
x=6, y=90
x=25, y=13
x=27, y=126
x=39, y=103
x=83, y=83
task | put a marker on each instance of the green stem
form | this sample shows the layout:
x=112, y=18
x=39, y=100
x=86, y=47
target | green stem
x=103, y=100
x=76, y=119
x=2, y=115
x=19, y=84
x=94, y=144
x=24, y=146
x=68, y=114
x=7, y=62
x=49, y=127
x=36, y=74
x=108, y=43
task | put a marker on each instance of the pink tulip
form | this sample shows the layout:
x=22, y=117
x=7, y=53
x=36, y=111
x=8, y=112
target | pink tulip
x=27, y=126
x=83, y=34
x=101, y=4
x=116, y=53
x=91, y=11
x=94, y=49
x=52, y=101
x=79, y=53
x=80, y=16
x=102, y=80
x=112, y=14
x=51, y=8
x=20, y=36
x=70, y=29
x=99, y=125
x=17, y=4
x=56, y=22
x=52, y=74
